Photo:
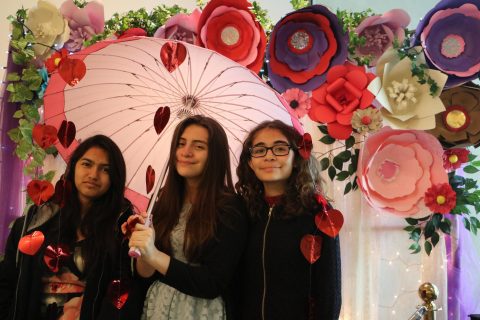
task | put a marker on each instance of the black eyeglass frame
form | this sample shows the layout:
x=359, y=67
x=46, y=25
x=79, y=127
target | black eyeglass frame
x=270, y=148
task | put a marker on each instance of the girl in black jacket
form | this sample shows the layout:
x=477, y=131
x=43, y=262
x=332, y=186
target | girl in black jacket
x=280, y=188
x=81, y=270
x=199, y=229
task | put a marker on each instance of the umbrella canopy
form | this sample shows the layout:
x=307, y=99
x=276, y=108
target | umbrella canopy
x=136, y=91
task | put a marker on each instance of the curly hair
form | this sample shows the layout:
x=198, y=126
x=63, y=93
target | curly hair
x=302, y=185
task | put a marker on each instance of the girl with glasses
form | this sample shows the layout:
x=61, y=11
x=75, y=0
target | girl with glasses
x=280, y=188
x=199, y=229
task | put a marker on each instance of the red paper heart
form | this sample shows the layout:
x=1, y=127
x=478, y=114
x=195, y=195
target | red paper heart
x=150, y=178
x=118, y=292
x=311, y=247
x=329, y=222
x=172, y=55
x=40, y=191
x=305, y=146
x=30, y=243
x=55, y=256
x=66, y=133
x=72, y=70
x=161, y=118
x=63, y=188
x=44, y=135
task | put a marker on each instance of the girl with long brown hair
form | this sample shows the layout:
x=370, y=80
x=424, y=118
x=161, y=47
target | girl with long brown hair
x=281, y=188
x=199, y=229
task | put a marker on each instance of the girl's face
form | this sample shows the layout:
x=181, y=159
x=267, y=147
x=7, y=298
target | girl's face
x=92, y=177
x=274, y=167
x=192, y=153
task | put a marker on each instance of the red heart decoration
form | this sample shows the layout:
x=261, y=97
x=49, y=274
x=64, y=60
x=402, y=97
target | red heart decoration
x=55, y=256
x=72, y=70
x=30, y=243
x=311, y=247
x=118, y=292
x=161, y=118
x=150, y=178
x=44, y=135
x=305, y=146
x=172, y=55
x=66, y=133
x=329, y=222
x=63, y=188
x=40, y=191
x=321, y=200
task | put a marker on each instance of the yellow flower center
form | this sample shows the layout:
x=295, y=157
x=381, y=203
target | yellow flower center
x=453, y=158
x=57, y=61
x=230, y=36
x=456, y=119
x=403, y=95
x=441, y=199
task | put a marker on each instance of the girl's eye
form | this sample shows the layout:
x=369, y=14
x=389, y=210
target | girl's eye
x=200, y=147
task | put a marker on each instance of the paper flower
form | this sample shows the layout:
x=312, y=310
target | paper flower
x=182, y=27
x=84, y=22
x=379, y=32
x=298, y=100
x=396, y=168
x=230, y=28
x=335, y=101
x=54, y=60
x=367, y=120
x=459, y=125
x=454, y=158
x=406, y=103
x=449, y=34
x=440, y=198
x=48, y=27
x=303, y=46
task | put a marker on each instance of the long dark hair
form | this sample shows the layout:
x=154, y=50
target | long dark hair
x=99, y=224
x=302, y=184
x=215, y=186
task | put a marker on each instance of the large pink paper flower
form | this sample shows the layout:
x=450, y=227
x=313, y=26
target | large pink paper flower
x=380, y=31
x=230, y=28
x=84, y=23
x=397, y=167
x=181, y=27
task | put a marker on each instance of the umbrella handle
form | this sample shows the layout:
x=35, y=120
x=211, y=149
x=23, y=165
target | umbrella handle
x=134, y=252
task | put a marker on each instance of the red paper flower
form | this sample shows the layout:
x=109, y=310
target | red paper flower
x=454, y=158
x=230, y=28
x=335, y=101
x=440, y=198
x=44, y=135
x=53, y=62
x=298, y=100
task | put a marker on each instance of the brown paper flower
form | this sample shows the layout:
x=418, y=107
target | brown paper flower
x=459, y=125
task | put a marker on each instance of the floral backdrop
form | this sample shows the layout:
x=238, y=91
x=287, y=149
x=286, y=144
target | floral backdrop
x=393, y=112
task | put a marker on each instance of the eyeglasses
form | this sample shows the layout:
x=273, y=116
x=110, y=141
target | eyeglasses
x=278, y=150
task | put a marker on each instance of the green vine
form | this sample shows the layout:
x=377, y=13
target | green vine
x=343, y=165
x=299, y=4
x=262, y=17
x=350, y=21
x=468, y=197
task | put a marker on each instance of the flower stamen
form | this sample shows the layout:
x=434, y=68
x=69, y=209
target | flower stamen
x=403, y=94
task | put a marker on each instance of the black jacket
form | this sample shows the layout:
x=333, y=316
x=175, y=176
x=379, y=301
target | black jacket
x=20, y=274
x=218, y=263
x=295, y=289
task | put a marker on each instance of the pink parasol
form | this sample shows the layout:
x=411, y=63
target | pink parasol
x=136, y=90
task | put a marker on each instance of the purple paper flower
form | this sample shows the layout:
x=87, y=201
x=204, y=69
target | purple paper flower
x=303, y=46
x=449, y=35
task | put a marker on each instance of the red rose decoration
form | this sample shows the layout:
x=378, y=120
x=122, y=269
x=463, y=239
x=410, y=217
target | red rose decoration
x=440, y=198
x=230, y=28
x=53, y=62
x=335, y=101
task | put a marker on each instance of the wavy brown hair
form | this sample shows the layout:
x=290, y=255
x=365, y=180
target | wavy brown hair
x=302, y=184
x=215, y=187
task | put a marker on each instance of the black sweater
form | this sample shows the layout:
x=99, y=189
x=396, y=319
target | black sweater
x=289, y=277
x=21, y=285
